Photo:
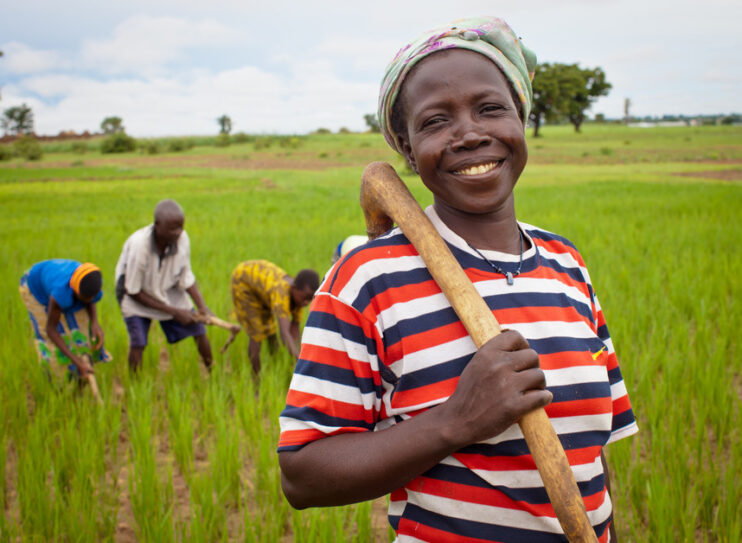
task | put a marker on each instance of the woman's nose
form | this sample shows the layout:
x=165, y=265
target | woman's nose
x=470, y=136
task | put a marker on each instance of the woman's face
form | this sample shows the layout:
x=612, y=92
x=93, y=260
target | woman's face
x=464, y=136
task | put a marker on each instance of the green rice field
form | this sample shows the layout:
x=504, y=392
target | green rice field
x=176, y=454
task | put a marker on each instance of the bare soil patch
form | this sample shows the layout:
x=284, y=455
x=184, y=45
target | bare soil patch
x=732, y=175
x=297, y=161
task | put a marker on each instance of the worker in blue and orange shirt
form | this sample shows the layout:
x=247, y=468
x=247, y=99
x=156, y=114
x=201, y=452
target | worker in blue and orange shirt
x=61, y=297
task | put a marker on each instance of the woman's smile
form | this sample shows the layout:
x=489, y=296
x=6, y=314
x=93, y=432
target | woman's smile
x=478, y=169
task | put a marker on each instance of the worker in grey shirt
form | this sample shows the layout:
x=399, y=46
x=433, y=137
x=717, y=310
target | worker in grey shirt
x=154, y=281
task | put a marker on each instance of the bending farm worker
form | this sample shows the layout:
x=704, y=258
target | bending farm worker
x=60, y=296
x=390, y=394
x=154, y=281
x=265, y=298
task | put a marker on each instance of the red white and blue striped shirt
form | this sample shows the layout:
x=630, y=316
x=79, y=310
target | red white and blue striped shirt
x=383, y=344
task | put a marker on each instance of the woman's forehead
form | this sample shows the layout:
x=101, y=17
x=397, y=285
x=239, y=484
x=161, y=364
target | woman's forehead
x=453, y=66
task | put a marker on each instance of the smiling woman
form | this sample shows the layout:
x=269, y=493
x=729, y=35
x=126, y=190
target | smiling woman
x=465, y=139
x=390, y=394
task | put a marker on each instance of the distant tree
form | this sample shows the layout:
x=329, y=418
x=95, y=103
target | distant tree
x=583, y=87
x=547, y=95
x=225, y=124
x=565, y=91
x=626, y=108
x=112, y=125
x=372, y=122
x=18, y=120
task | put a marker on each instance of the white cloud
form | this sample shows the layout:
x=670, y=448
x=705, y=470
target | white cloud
x=361, y=53
x=310, y=96
x=19, y=58
x=143, y=44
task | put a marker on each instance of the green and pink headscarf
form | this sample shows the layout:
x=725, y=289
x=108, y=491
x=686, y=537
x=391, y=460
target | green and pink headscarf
x=490, y=36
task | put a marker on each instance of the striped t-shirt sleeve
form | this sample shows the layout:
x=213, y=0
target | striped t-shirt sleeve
x=335, y=388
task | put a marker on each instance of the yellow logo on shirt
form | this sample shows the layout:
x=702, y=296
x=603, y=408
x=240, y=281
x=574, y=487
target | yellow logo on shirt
x=596, y=355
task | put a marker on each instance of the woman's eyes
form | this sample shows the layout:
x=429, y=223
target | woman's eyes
x=490, y=108
x=485, y=109
x=432, y=121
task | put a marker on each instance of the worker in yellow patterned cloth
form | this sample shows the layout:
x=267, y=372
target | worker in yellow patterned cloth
x=265, y=298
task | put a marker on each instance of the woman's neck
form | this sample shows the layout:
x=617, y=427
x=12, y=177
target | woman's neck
x=494, y=231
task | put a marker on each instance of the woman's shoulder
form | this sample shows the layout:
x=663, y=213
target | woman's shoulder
x=551, y=242
x=392, y=252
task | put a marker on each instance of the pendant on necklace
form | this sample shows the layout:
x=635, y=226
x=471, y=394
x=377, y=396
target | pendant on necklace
x=509, y=278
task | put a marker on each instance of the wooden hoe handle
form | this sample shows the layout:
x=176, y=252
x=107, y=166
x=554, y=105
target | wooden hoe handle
x=92, y=382
x=385, y=199
x=216, y=321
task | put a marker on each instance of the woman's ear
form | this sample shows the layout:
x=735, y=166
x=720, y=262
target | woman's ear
x=406, y=149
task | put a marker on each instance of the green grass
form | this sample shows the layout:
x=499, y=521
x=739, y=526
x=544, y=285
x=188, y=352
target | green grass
x=176, y=455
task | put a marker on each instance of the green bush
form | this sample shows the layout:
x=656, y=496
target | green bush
x=27, y=147
x=264, y=142
x=118, y=143
x=290, y=142
x=241, y=137
x=179, y=144
x=150, y=147
x=79, y=147
x=6, y=153
x=222, y=140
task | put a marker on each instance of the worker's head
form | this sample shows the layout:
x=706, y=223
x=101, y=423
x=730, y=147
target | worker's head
x=86, y=282
x=169, y=222
x=454, y=104
x=304, y=286
x=491, y=37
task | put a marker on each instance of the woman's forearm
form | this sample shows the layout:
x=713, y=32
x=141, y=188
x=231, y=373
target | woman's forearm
x=354, y=467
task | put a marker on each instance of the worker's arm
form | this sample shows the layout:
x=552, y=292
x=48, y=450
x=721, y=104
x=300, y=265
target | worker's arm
x=198, y=299
x=183, y=316
x=54, y=313
x=295, y=331
x=289, y=339
x=96, y=331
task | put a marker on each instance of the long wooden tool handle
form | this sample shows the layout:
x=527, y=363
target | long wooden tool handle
x=94, y=388
x=92, y=382
x=385, y=199
x=216, y=321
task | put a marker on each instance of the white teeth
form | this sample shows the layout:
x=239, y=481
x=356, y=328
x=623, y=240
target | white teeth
x=476, y=170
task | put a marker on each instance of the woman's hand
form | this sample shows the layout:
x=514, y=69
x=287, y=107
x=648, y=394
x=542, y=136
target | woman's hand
x=83, y=366
x=96, y=335
x=501, y=383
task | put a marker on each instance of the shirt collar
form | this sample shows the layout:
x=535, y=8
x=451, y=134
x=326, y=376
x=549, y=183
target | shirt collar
x=457, y=241
x=171, y=249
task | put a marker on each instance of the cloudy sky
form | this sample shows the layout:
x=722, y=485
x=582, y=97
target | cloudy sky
x=171, y=67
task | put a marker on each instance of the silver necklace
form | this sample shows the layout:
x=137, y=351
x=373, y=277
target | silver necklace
x=508, y=275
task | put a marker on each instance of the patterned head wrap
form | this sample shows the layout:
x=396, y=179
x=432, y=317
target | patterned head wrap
x=80, y=272
x=490, y=36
